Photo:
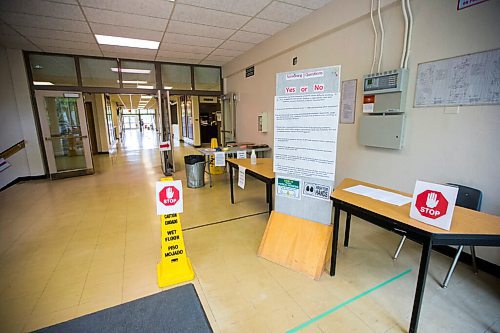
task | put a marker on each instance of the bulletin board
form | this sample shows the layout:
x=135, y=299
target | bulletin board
x=471, y=79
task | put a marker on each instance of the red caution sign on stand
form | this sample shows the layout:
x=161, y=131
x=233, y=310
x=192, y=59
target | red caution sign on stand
x=174, y=266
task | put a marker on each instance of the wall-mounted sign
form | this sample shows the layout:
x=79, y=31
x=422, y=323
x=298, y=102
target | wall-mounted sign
x=468, y=3
x=348, y=101
x=250, y=71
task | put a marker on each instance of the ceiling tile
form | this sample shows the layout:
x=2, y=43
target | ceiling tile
x=219, y=58
x=264, y=26
x=54, y=34
x=65, y=50
x=17, y=42
x=199, y=30
x=248, y=37
x=311, y=4
x=181, y=55
x=114, y=30
x=238, y=7
x=131, y=50
x=154, y=8
x=215, y=18
x=283, y=12
x=45, y=22
x=43, y=8
x=179, y=60
x=191, y=40
x=44, y=42
x=128, y=55
x=228, y=53
x=237, y=46
x=213, y=62
x=6, y=30
x=124, y=19
x=72, y=2
x=186, y=48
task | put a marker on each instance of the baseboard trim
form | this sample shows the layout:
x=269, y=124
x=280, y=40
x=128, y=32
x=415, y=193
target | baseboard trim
x=466, y=258
x=23, y=179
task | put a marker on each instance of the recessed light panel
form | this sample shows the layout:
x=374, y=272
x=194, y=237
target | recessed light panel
x=127, y=42
x=131, y=70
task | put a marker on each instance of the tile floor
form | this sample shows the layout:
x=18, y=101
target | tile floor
x=75, y=246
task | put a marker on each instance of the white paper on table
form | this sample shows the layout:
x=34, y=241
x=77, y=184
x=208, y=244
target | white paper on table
x=241, y=176
x=241, y=154
x=220, y=159
x=380, y=195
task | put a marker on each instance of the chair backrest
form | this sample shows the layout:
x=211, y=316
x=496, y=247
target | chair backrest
x=468, y=197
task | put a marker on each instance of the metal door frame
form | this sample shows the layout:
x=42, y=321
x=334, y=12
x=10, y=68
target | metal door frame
x=47, y=141
x=231, y=98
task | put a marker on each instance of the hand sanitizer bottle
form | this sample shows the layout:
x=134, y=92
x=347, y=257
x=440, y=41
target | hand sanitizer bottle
x=253, y=157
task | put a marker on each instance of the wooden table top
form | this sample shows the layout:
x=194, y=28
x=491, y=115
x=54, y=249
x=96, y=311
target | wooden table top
x=264, y=166
x=464, y=221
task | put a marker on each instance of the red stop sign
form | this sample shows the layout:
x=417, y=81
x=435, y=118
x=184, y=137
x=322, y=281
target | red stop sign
x=169, y=195
x=431, y=204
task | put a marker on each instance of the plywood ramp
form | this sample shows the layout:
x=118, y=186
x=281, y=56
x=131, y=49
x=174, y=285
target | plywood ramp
x=295, y=243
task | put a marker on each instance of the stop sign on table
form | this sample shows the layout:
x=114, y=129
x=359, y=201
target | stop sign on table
x=169, y=197
x=431, y=204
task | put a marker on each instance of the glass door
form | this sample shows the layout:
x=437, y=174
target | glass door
x=228, y=119
x=65, y=135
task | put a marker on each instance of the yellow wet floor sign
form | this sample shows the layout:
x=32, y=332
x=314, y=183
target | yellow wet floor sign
x=174, y=266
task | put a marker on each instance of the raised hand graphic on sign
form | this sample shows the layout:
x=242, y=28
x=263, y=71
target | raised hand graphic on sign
x=432, y=200
x=170, y=193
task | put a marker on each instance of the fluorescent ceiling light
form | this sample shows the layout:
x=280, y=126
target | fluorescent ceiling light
x=167, y=87
x=132, y=71
x=42, y=83
x=144, y=87
x=133, y=82
x=145, y=97
x=128, y=42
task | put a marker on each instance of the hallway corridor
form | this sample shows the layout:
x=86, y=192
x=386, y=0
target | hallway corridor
x=75, y=246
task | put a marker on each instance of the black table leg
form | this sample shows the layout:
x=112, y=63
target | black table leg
x=419, y=293
x=347, y=229
x=269, y=195
x=208, y=161
x=335, y=238
x=231, y=182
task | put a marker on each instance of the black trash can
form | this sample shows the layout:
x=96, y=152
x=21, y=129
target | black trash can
x=195, y=170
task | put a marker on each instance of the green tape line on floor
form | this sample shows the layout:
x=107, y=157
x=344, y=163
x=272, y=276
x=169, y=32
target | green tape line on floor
x=341, y=305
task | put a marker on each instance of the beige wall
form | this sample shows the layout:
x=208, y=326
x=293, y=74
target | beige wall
x=438, y=147
x=10, y=126
x=99, y=110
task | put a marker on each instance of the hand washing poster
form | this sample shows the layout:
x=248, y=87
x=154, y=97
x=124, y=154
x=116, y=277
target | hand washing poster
x=306, y=117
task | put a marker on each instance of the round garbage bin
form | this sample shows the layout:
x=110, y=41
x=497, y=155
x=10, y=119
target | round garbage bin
x=195, y=170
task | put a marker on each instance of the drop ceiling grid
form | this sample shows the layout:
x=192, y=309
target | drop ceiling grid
x=218, y=30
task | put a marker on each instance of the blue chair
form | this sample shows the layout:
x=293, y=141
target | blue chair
x=467, y=197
